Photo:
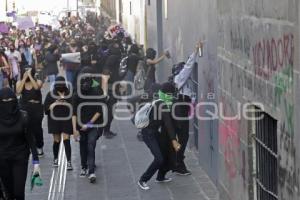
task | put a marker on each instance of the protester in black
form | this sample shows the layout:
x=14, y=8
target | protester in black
x=15, y=146
x=182, y=109
x=132, y=63
x=58, y=108
x=151, y=61
x=51, y=66
x=31, y=101
x=159, y=136
x=110, y=76
x=88, y=120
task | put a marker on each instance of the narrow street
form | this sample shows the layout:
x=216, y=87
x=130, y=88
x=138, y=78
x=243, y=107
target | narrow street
x=119, y=162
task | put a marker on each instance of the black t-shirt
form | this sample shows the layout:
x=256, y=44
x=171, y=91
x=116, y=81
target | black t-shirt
x=132, y=62
x=111, y=68
x=88, y=111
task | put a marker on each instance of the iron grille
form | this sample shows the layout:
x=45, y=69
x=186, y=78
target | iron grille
x=266, y=157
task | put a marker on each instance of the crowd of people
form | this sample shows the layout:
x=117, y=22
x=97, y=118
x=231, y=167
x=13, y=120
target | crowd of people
x=81, y=98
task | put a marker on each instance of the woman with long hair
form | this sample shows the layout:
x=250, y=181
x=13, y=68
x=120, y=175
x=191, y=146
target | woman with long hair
x=31, y=101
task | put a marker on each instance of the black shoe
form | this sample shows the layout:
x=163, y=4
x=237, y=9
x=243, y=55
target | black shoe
x=109, y=134
x=83, y=173
x=55, y=163
x=140, y=137
x=69, y=166
x=182, y=172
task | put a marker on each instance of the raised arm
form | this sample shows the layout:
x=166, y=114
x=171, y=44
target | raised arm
x=187, y=70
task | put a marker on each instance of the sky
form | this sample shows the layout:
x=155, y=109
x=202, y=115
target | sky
x=44, y=5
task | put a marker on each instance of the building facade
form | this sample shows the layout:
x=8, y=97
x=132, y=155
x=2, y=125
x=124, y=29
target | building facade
x=250, y=68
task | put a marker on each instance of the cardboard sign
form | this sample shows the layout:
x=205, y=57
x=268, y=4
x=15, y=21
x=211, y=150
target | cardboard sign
x=25, y=23
x=71, y=57
x=4, y=28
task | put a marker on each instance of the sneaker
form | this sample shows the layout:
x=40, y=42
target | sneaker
x=40, y=152
x=109, y=134
x=143, y=185
x=69, y=166
x=182, y=172
x=55, y=163
x=92, y=178
x=83, y=173
x=165, y=180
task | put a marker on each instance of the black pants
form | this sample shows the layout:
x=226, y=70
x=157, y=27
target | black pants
x=13, y=173
x=151, y=139
x=182, y=130
x=88, y=141
x=35, y=113
x=110, y=104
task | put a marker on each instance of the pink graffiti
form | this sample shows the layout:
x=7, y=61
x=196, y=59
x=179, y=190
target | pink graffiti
x=230, y=143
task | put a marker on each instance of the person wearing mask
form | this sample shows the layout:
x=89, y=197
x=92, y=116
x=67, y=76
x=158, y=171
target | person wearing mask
x=160, y=138
x=16, y=143
x=14, y=59
x=51, y=59
x=57, y=107
x=72, y=68
x=31, y=101
x=4, y=69
x=110, y=76
x=151, y=61
x=132, y=63
x=88, y=122
x=185, y=94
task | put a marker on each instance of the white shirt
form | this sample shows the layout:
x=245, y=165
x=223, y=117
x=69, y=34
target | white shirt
x=181, y=79
x=14, y=58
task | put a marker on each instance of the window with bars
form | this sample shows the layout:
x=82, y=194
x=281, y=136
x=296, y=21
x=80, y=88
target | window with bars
x=265, y=157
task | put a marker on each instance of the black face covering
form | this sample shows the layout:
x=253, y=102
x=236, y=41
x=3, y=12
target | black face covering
x=86, y=84
x=87, y=81
x=9, y=109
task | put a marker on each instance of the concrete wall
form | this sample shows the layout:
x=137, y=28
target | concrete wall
x=258, y=59
x=187, y=22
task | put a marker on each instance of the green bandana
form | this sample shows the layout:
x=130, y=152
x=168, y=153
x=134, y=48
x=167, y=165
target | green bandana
x=36, y=181
x=166, y=98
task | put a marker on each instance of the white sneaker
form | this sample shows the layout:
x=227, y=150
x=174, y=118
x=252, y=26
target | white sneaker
x=143, y=185
x=92, y=178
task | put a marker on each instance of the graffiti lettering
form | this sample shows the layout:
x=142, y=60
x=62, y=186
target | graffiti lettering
x=271, y=55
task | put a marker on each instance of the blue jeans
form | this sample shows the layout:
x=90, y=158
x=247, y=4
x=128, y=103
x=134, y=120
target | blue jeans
x=150, y=138
x=70, y=75
x=88, y=141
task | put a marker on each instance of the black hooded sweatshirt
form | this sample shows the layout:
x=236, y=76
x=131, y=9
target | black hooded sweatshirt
x=15, y=141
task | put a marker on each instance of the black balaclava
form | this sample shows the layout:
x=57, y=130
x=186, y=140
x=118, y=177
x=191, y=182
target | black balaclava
x=113, y=50
x=87, y=81
x=150, y=53
x=60, y=85
x=9, y=108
